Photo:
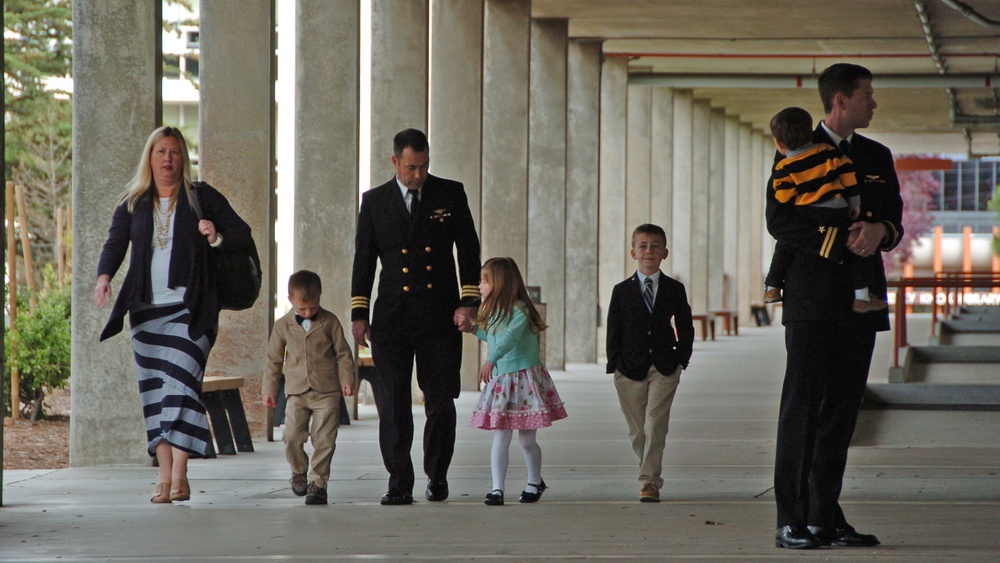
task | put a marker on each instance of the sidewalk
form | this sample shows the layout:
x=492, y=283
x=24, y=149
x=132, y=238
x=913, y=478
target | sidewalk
x=925, y=503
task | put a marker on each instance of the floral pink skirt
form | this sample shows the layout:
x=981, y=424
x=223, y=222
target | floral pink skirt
x=521, y=400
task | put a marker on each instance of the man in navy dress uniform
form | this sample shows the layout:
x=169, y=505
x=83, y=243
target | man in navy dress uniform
x=413, y=224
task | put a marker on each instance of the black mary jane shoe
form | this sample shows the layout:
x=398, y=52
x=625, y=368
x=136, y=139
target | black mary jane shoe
x=532, y=497
x=494, y=498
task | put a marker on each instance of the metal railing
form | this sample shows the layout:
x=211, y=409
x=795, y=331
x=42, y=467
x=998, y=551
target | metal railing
x=953, y=285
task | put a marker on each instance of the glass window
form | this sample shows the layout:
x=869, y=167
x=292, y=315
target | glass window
x=949, y=189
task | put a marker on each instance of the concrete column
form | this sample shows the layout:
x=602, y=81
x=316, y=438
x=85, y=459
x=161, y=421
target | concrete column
x=756, y=215
x=744, y=291
x=237, y=157
x=638, y=168
x=730, y=212
x=716, y=207
x=583, y=106
x=116, y=106
x=455, y=117
x=762, y=237
x=700, y=133
x=506, y=45
x=661, y=173
x=611, y=202
x=326, y=147
x=679, y=261
x=399, y=77
x=547, y=179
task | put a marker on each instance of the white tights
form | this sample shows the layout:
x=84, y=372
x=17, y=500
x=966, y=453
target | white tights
x=499, y=457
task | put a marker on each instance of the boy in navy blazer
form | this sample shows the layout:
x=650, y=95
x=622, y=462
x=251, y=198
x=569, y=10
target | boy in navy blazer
x=645, y=353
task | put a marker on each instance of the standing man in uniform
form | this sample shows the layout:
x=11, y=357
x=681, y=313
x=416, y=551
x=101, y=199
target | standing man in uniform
x=829, y=348
x=412, y=224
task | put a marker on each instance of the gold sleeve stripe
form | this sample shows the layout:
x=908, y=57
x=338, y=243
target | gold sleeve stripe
x=470, y=291
x=359, y=302
x=895, y=234
x=831, y=235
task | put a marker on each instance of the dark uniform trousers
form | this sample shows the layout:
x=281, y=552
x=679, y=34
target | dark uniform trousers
x=829, y=349
x=418, y=292
x=439, y=362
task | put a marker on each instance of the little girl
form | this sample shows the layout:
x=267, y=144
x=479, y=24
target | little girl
x=518, y=393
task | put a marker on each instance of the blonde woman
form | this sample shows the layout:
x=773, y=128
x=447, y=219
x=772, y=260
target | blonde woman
x=170, y=296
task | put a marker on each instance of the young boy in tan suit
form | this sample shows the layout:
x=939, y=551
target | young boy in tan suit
x=308, y=345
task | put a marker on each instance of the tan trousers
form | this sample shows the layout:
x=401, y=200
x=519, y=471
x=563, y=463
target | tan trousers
x=317, y=416
x=646, y=406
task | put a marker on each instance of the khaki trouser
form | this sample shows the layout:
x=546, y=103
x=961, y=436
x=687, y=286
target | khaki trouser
x=646, y=406
x=316, y=416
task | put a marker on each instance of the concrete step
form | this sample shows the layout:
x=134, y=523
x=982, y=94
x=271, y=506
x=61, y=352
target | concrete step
x=979, y=310
x=970, y=332
x=949, y=365
x=920, y=396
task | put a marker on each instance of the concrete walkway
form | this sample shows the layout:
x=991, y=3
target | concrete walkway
x=929, y=494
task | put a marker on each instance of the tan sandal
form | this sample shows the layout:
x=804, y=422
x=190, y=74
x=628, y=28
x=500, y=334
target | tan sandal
x=182, y=492
x=161, y=494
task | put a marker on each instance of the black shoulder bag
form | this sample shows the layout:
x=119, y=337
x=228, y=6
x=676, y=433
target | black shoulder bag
x=238, y=273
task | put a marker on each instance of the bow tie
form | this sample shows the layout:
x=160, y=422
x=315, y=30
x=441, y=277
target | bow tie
x=299, y=318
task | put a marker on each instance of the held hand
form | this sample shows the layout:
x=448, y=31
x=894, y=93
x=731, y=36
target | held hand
x=207, y=228
x=865, y=242
x=486, y=372
x=269, y=401
x=348, y=390
x=463, y=318
x=102, y=292
x=362, y=332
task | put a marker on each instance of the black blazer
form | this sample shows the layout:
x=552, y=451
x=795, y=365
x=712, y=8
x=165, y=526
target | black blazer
x=418, y=288
x=817, y=289
x=638, y=339
x=189, y=259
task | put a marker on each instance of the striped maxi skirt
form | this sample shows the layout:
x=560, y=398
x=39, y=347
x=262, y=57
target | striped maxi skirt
x=171, y=367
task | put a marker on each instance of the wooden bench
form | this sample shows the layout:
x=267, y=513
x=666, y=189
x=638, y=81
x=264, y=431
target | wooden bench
x=707, y=324
x=366, y=371
x=221, y=395
x=730, y=321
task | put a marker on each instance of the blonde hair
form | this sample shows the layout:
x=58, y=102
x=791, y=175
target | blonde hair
x=507, y=291
x=140, y=184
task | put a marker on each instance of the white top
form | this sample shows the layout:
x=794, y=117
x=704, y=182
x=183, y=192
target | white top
x=159, y=269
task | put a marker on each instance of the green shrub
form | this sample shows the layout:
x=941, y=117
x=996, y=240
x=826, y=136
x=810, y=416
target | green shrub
x=43, y=345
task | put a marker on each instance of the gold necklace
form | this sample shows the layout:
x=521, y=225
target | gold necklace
x=162, y=223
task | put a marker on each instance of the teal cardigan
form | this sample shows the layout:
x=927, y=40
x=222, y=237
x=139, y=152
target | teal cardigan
x=512, y=344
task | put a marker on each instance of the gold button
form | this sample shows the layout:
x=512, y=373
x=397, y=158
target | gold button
x=430, y=285
x=427, y=249
x=868, y=214
x=650, y=350
x=428, y=267
x=649, y=332
x=406, y=270
x=406, y=288
x=405, y=251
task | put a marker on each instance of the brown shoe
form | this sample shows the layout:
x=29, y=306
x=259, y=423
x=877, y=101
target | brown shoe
x=299, y=484
x=181, y=492
x=649, y=493
x=161, y=494
x=862, y=306
x=772, y=295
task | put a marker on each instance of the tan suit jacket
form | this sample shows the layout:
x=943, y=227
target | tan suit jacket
x=320, y=359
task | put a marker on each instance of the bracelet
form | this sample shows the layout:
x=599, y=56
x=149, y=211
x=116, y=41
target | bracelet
x=218, y=241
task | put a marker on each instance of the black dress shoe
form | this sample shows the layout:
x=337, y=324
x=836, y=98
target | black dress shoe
x=795, y=537
x=532, y=497
x=494, y=498
x=437, y=491
x=396, y=496
x=845, y=536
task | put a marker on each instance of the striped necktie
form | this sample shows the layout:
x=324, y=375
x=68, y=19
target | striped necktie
x=647, y=294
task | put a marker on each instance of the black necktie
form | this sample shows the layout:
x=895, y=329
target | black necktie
x=414, y=202
x=845, y=147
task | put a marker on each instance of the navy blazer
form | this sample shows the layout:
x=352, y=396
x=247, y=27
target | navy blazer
x=817, y=289
x=418, y=288
x=638, y=338
x=189, y=259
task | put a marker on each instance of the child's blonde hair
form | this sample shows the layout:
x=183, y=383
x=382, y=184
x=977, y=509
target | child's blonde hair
x=507, y=290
